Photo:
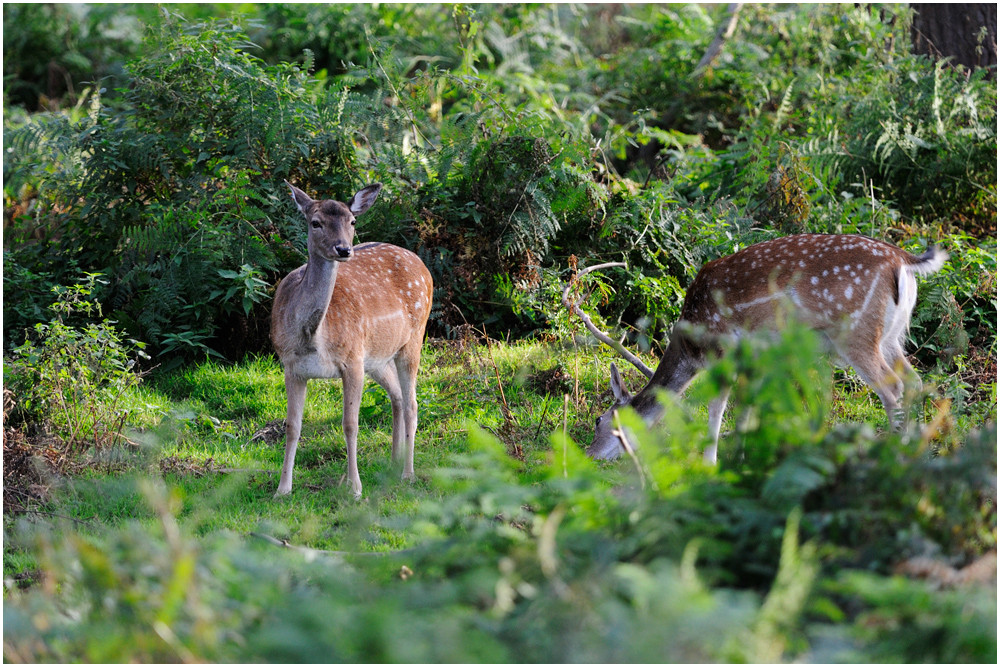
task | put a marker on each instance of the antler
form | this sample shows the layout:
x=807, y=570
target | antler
x=598, y=334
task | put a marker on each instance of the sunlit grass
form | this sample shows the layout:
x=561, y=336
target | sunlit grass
x=196, y=425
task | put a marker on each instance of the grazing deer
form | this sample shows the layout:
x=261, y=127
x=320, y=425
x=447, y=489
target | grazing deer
x=351, y=310
x=856, y=291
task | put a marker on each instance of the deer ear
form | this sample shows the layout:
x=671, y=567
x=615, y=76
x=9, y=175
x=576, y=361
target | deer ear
x=301, y=199
x=364, y=198
x=621, y=394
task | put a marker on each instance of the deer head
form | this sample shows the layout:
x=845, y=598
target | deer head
x=607, y=441
x=331, y=223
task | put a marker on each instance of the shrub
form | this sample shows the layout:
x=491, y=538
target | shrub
x=75, y=377
x=181, y=188
x=922, y=132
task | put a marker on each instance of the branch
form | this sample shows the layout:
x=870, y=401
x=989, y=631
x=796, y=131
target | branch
x=598, y=334
x=725, y=31
x=315, y=552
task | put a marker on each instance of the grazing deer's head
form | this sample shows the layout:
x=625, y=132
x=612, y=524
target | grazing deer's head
x=607, y=441
x=331, y=223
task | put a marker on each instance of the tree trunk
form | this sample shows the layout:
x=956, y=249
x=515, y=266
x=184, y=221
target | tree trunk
x=965, y=32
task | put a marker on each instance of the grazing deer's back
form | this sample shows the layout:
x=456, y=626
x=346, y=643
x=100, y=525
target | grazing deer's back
x=829, y=278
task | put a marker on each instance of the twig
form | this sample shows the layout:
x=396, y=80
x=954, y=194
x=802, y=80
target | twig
x=58, y=516
x=565, y=434
x=417, y=134
x=598, y=334
x=310, y=551
x=725, y=31
x=545, y=411
x=507, y=414
x=620, y=432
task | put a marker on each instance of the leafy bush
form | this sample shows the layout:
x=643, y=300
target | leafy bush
x=74, y=377
x=922, y=133
x=50, y=49
x=182, y=187
x=501, y=142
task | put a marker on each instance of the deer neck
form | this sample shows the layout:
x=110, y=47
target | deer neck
x=314, y=294
x=680, y=363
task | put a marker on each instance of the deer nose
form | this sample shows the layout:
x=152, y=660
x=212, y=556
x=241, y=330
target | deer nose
x=343, y=251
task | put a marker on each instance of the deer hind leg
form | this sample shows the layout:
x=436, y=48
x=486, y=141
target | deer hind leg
x=871, y=365
x=897, y=321
x=896, y=358
x=388, y=378
x=354, y=384
x=407, y=362
x=295, y=391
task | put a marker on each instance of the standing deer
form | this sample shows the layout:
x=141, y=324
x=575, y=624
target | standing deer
x=347, y=312
x=856, y=291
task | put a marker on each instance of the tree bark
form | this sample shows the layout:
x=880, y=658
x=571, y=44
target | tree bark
x=965, y=32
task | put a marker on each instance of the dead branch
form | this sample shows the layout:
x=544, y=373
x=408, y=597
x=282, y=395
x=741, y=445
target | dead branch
x=310, y=552
x=725, y=31
x=598, y=334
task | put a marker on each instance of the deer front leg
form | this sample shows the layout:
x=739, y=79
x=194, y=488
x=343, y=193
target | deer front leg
x=354, y=381
x=716, y=408
x=295, y=392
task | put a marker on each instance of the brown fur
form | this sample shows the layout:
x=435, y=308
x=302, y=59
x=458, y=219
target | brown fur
x=351, y=311
x=857, y=291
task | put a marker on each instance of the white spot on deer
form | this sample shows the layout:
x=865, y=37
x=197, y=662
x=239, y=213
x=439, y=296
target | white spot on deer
x=849, y=292
x=814, y=280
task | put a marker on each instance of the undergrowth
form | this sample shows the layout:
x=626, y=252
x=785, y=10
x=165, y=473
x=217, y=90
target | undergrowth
x=512, y=544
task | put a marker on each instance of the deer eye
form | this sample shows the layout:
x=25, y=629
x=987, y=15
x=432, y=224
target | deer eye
x=316, y=224
x=598, y=422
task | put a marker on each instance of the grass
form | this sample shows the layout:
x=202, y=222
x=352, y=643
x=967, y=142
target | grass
x=196, y=426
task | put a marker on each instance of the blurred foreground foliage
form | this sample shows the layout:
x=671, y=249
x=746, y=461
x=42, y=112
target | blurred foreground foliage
x=516, y=143
x=793, y=549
